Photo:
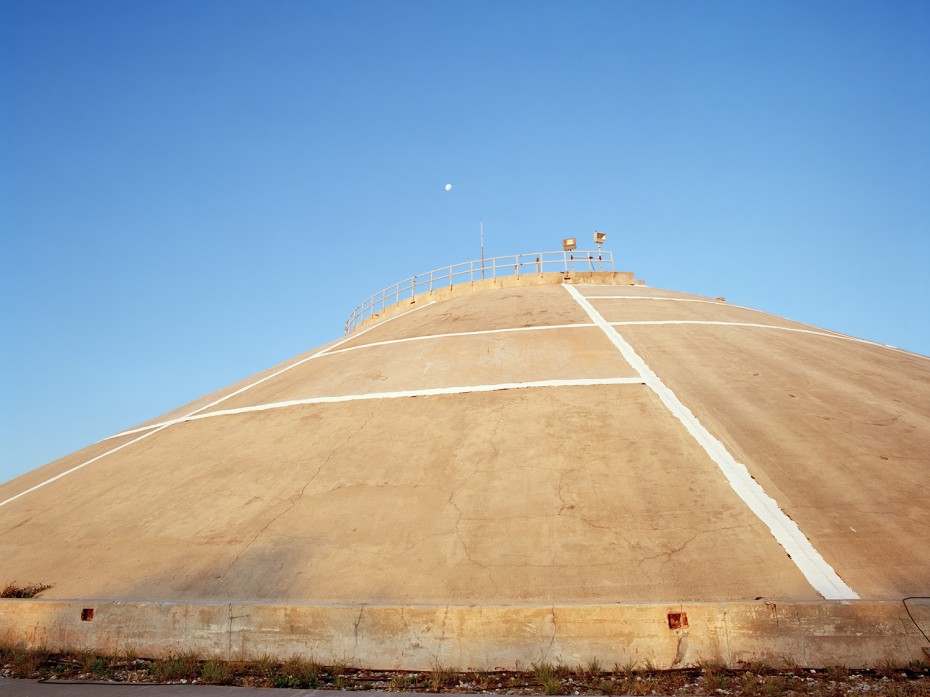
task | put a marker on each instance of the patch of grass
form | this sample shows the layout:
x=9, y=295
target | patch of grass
x=628, y=669
x=216, y=672
x=30, y=590
x=552, y=685
x=593, y=667
x=439, y=677
x=174, y=667
x=25, y=663
x=889, y=669
x=714, y=681
x=264, y=666
x=298, y=672
x=837, y=672
x=402, y=681
x=760, y=668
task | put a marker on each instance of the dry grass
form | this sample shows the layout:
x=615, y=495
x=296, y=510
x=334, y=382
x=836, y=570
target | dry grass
x=30, y=590
x=588, y=678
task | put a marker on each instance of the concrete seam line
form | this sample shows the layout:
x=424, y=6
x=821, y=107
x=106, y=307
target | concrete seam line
x=786, y=532
x=480, y=332
x=427, y=392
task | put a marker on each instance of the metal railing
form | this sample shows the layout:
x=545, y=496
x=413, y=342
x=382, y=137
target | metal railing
x=495, y=267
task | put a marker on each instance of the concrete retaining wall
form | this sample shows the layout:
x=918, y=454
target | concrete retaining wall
x=484, y=637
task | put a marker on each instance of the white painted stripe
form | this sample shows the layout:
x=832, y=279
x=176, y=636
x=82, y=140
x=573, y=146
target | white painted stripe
x=429, y=392
x=814, y=567
x=83, y=464
x=676, y=300
x=660, y=297
x=479, y=332
x=318, y=354
x=154, y=428
x=828, y=334
x=739, y=324
x=825, y=332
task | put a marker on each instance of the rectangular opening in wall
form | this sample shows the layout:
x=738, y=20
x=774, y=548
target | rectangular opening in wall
x=87, y=614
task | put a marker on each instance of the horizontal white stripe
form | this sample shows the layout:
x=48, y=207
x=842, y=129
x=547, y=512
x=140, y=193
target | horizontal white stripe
x=657, y=297
x=580, y=382
x=83, y=464
x=808, y=560
x=829, y=335
x=739, y=324
x=479, y=332
x=275, y=374
x=150, y=430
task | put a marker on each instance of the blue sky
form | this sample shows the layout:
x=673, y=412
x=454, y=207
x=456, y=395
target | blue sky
x=194, y=190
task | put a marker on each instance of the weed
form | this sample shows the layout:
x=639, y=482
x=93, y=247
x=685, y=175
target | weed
x=298, y=672
x=888, y=669
x=402, y=681
x=715, y=681
x=562, y=670
x=30, y=590
x=760, y=668
x=593, y=667
x=265, y=666
x=552, y=686
x=542, y=670
x=216, y=672
x=918, y=667
x=439, y=677
x=712, y=667
x=100, y=667
x=837, y=672
x=25, y=663
x=175, y=666
x=775, y=685
x=628, y=669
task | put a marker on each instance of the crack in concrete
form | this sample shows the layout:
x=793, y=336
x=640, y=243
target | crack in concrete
x=668, y=554
x=294, y=499
x=555, y=631
x=358, y=621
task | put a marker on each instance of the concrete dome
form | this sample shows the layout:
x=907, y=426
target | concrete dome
x=504, y=471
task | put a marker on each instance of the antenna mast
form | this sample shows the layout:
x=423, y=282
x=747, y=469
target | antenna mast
x=482, y=248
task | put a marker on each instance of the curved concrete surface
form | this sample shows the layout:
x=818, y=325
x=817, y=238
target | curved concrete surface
x=495, y=455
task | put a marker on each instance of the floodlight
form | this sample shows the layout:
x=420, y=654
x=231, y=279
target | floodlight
x=568, y=244
x=599, y=238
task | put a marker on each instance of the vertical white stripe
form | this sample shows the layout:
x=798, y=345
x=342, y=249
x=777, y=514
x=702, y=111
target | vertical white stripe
x=814, y=567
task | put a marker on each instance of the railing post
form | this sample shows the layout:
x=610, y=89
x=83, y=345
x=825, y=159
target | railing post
x=380, y=301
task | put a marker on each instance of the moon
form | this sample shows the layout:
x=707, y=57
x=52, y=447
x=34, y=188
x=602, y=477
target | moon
x=448, y=187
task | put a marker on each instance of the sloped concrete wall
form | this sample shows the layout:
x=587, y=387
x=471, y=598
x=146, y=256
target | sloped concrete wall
x=549, y=278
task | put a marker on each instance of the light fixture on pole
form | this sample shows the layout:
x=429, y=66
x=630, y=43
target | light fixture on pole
x=568, y=245
x=599, y=238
